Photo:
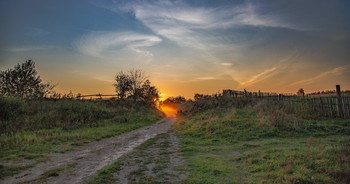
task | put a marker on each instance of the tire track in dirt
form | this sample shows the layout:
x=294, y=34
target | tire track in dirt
x=158, y=161
x=77, y=166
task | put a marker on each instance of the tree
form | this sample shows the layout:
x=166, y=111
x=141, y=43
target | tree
x=149, y=93
x=175, y=100
x=301, y=92
x=137, y=79
x=23, y=81
x=122, y=85
x=135, y=85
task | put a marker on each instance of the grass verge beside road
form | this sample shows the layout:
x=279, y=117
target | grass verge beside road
x=61, y=126
x=246, y=146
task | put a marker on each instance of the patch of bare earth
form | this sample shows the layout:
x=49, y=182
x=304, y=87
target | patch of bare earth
x=79, y=165
x=158, y=161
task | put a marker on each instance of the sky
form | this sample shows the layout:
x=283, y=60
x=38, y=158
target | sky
x=185, y=47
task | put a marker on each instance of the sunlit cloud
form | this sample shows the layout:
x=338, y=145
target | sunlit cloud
x=267, y=73
x=107, y=44
x=108, y=79
x=226, y=64
x=259, y=77
x=206, y=78
x=334, y=71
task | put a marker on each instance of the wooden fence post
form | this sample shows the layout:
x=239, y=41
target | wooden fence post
x=340, y=102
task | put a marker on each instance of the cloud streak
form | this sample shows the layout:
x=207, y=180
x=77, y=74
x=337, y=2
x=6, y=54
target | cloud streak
x=334, y=71
x=193, y=27
x=106, y=44
x=259, y=77
x=31, y=48
x=281, y=65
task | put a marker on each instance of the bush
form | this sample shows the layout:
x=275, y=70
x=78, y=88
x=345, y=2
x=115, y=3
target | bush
x=18, y=114
x=10, y=108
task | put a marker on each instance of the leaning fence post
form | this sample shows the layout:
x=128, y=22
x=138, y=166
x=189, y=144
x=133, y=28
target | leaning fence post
x=340, y=102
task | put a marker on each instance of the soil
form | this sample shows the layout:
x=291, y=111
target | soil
x=160, y=162
x=79, y=165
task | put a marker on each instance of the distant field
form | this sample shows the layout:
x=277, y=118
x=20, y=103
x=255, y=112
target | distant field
x=31, y=129
x=247, y=145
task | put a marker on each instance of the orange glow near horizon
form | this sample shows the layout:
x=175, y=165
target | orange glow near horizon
x=168, y=110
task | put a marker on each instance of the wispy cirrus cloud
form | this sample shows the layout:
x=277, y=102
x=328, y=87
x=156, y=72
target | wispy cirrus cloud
x=105, y=44
x=226, y=64
x=259, y=77
x=31, y=48
x=161, y=14
x=269, y=72
x=206, y=78
x=194, y=26
x=334, y=71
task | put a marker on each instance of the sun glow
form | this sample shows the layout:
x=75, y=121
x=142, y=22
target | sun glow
x=169, y=110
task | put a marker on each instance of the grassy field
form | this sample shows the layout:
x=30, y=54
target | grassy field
x=32, y=129
x=251, y=145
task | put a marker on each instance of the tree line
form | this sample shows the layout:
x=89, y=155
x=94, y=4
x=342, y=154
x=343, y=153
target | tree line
x=23, y=81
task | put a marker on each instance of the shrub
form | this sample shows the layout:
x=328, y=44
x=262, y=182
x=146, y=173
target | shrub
x=10, y=108
x=18, y=114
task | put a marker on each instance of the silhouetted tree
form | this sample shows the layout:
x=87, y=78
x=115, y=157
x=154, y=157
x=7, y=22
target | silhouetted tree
x=149, y=93
x=176, y=100
x=122, y=84
x=137, y=79
x=301, y=92
x=135, y=85
x=23, y=81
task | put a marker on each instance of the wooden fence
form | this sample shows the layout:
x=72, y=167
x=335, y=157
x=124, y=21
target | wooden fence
x=325, y=106
x=96, y=96
x=337, y=106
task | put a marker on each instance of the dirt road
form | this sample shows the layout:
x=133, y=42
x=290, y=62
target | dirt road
x=157, y=161
x=79, y=165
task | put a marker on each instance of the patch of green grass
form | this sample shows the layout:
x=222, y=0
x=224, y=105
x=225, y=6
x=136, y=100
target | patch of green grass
x=51, y=173
x=278, y=160
x=11, y=170
x=105, y=175
x=245, y=124
x=236, y=146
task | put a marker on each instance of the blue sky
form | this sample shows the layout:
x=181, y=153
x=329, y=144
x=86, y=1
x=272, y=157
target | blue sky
x=185, y=47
